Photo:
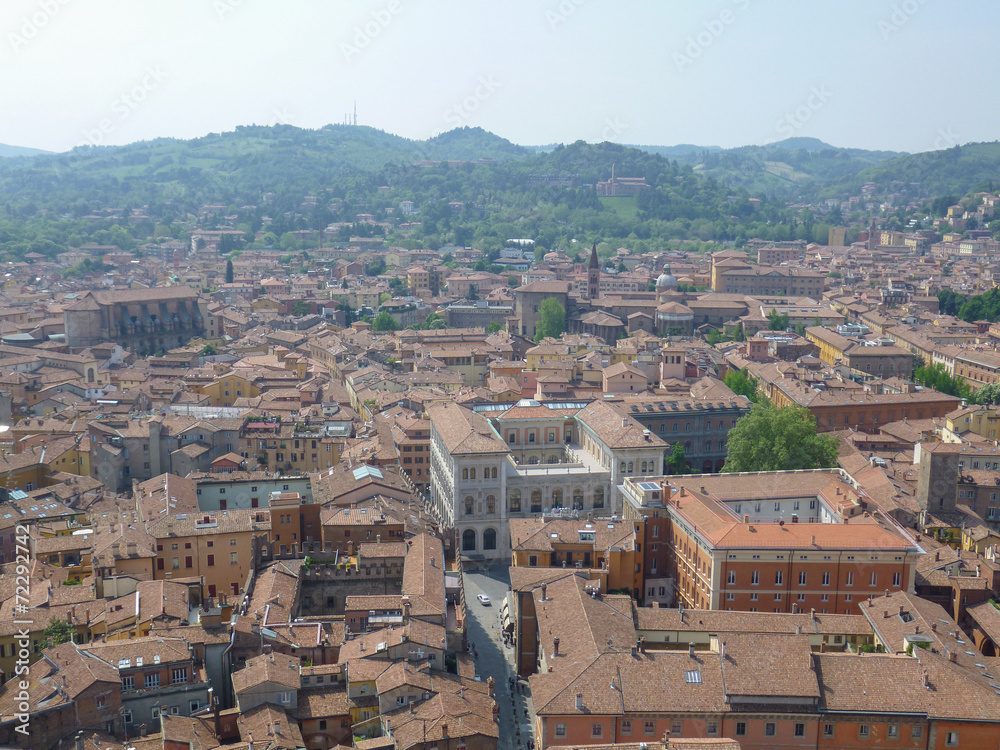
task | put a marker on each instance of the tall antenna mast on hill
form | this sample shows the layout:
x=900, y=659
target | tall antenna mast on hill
x=355, y=112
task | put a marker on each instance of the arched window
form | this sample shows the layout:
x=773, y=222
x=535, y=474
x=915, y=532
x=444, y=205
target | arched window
x=553, y=459
x=557, y=498
x=621, y=468
x=490, y=539
x=491, y=504
x=468, y=506
x=643, y=469
x=514, y=502
x=468, y=540
x=629, y=467
x=494, y=472
x=533, y=460
x=472, y=473
x=599, y=497
x=536, y=501
x=578, y=498
x=465, y=473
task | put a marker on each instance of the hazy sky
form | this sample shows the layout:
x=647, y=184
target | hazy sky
x=909, y=75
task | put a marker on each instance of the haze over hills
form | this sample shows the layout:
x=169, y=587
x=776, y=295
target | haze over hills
x=14, y=151
x=282, y=159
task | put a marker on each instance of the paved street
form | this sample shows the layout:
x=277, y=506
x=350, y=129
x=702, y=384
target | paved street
x=495, y=660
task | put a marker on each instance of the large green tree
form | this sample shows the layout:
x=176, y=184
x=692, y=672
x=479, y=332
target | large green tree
x=772, y=438
x=384, y=322
x=936, y=377
x=60, y=631
x=551, y=320
x=742, y=384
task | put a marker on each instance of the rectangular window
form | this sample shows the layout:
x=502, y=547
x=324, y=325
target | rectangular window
x=211, y=560
x=850, y=579
x=802, y=578
x=596, y=728
x=626, y=726
x=152, y=680
x=778, y=578
x=916, y=732
x=951, y=739
x=864, y=731
x=755, y=578
x=286, y=697
x=180, y=676
x=741, y=729
x=128, y=682
x=874, y=579
x=770, y=729
x=826, y=578
x=233, y=558
x=561, y=730
x=893, y=731
x=675, y=728
x=712, y=728
x=732, y=577
x=828, y=730
x=649, y=727
x=800, y=730
x=897, y=579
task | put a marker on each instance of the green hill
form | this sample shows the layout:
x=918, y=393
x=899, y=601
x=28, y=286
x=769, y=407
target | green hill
x=957, y=170
x=791, y=167
x=13, y=151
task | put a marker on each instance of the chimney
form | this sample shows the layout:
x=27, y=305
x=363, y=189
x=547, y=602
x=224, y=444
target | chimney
x=795, y=608
x=952, y=655
x=214, y=703
x=812, y=541
x=433, y=563
x=927, y=682
x=885, y=614
x=555, y=646
x=934, y=627
x=798, y=630
x=579, y=701
x=544, y=589
x=937, y=555
x=900, y=610
x=642, y=644
x=746, y=518
x=691, y=650
x=143, y=730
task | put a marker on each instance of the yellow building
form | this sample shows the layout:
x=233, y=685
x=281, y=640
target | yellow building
x=609, y=546
x=978, y=419
x=217, y=546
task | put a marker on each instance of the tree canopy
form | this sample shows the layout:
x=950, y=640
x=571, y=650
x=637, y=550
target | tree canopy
x=384, y=322
x=551, y=320
x=742, y=384
x=772, y=438
x=936, y=377
x=60, y=631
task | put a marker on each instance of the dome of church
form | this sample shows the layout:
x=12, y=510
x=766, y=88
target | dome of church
x=666, y=280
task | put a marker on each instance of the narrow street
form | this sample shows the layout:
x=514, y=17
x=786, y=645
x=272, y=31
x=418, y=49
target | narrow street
x=494, y=658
